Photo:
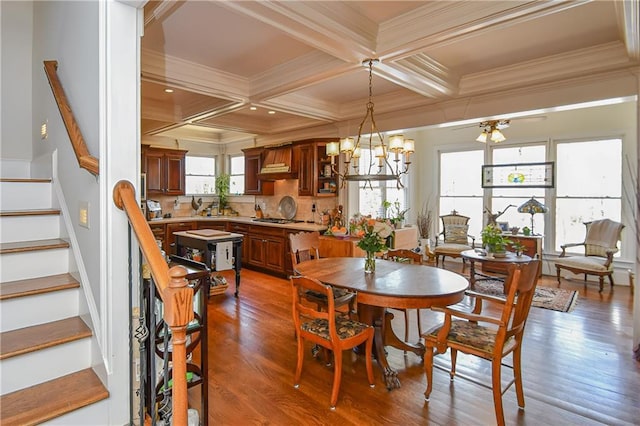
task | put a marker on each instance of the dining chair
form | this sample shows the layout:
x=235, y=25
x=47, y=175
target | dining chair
x=408, y=256
x=328, y=329
x=305, y=246
x=485, y=336
x=600, y=244
x=455, y=237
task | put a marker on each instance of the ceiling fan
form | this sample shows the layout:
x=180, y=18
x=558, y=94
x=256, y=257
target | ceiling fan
x=503, y=123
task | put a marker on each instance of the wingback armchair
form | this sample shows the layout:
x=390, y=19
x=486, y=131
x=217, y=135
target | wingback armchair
x=600, y=244
x=455, y=237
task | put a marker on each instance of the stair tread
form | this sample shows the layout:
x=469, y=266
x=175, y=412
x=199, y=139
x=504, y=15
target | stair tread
x=30, y=212
x=33, y=338
x=51, y=399
x=26, y=180
x=40, y=285
x=22, y=246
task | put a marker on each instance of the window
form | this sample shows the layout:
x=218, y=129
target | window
x=370, y=198
x=503, y=197
x=236, y=170
x=461, y=186
x=200, y=175
x=589, y=186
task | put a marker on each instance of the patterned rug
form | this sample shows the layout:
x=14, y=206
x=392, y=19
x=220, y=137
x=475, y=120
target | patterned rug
x=555, y=299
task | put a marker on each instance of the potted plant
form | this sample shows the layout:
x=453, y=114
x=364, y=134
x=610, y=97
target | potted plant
x=518, y=248
x=394, y=213
x=493, y=240
x=222, y=189
x=424, y=220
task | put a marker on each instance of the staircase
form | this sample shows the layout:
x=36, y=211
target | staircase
x=45, y=345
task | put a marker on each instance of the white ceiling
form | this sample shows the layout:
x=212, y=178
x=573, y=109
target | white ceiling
x=302, y=59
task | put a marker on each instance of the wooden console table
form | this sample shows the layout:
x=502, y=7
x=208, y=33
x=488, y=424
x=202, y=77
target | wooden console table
x=532, y=248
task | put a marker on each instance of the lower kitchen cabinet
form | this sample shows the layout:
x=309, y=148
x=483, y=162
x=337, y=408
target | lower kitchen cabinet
x=267, y=248
x=243, y=229
x=169, y=242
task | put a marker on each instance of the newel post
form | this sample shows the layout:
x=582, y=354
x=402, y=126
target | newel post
x=178, y=312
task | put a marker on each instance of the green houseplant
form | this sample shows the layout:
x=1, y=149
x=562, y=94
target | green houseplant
x=493, y=240
x=222, y=190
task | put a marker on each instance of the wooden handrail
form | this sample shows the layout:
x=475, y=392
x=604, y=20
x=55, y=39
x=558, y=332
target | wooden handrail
x=85, y=160
x=173, y=290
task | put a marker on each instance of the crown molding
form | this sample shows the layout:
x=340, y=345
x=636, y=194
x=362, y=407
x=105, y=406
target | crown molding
x=455, y=21
x=309, y=23
x=188, y=75
x=590, y=60
x=301, y=72
x=629, y=15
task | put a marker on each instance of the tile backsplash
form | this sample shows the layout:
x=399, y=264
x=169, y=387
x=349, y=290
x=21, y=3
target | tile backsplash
x=245, y=205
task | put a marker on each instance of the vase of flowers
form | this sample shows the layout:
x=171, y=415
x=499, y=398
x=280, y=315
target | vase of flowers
x=373, y=234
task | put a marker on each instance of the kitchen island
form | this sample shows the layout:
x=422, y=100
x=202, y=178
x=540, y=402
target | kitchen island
x=265, y=245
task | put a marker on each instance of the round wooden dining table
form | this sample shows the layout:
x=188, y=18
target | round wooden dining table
x=392, y=285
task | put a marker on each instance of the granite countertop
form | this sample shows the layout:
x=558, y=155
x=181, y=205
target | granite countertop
x=302, y=226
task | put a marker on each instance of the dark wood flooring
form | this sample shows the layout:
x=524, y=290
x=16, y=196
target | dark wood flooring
x=578, y=368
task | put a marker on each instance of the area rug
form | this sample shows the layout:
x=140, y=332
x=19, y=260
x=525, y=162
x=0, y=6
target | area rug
x=556, y=299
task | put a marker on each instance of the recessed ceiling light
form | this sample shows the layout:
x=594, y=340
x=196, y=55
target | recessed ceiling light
x=272, y=112
x=168, y=90
x=253, y=108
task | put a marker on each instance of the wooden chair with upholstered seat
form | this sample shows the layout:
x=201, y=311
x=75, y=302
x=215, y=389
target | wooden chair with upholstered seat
x=410, y=256
x=456, y=238
x=488, y=337
x=334, y=332
x=304, y=246
x=600, y=244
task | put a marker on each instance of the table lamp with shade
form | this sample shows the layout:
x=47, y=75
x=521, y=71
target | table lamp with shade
x=532, y=206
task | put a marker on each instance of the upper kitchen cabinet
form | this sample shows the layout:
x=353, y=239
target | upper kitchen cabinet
x=253, y=163
x=315, y=175
x=165, y=169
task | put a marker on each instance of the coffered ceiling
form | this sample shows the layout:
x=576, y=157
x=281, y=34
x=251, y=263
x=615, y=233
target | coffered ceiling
x=302, y=60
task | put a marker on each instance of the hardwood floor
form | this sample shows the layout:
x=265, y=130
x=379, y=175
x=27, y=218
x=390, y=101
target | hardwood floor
x=578, y=368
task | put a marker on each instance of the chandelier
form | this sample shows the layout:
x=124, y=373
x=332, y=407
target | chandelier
x=491, y=129
x=380, y=167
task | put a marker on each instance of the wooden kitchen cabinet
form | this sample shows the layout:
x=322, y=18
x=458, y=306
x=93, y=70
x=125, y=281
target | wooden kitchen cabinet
x=326, y=180
x=165, y=171
x=315, y=177
x=243, y=229
x=218, y=225
x=158, y=230
x=252, y=165
x=303, y=159
x=170, y=247
x=266, y=247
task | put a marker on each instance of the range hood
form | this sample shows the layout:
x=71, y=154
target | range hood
x=278, y=163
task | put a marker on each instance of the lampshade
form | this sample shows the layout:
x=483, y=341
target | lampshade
x=483, y=137
x=533, y=206
x=497, y=136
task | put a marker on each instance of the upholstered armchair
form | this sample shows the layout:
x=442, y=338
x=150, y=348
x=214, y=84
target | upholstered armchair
x=455, y=237
x=600, y=244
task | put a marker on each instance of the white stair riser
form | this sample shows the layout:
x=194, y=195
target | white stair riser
x=98, y=413
x=29, y=228
x=38, y=309
x=25, y=195
x=30, y=369
x=33, y=264
x=17, y=169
